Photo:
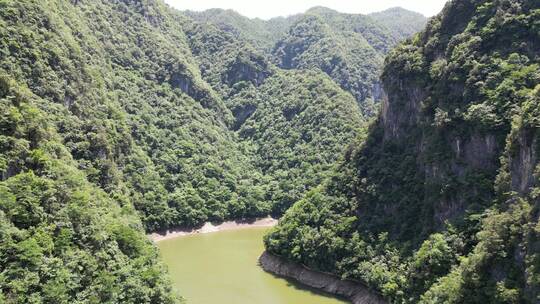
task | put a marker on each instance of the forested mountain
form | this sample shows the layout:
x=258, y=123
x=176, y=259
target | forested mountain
x=140, y=120
x=260, y=33
x=350, y=48
x=439, y=202
x=402, y=23
x=126, y=116
x=62, y=238
x=297, y=122
x=120, y=117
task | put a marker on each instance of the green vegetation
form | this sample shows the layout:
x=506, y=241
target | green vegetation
x=259, y=33
x=124, y=117
x=346, y=57
x=402, y=23
x=349, y=48
x=439, y=203
x=300, y=127
x=63, y=239
x=140, y=121
x=297, y=123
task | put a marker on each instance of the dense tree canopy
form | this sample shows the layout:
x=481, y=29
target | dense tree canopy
x=124, y=117
x=439, y=203
x=297, y=122
x=350, y=48
x=63, y=239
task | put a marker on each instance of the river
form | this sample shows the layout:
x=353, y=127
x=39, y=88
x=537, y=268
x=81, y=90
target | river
x=221, y=267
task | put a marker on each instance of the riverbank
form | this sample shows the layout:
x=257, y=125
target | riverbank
x=209, y=228
x=354, y=291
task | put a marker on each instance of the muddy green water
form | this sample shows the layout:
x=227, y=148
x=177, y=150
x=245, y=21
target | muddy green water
x=221, y=267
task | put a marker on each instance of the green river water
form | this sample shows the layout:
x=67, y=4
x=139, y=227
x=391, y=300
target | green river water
x=221, y=267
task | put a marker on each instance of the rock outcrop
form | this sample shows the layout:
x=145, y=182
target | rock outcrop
x=352, y=290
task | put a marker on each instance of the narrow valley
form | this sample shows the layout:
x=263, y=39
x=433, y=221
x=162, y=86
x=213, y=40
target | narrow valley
x=153, y=154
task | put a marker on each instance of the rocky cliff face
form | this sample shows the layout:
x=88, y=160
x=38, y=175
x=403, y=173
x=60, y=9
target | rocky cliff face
x=524, y=161
x=440, y=203
x=251, y=68
x=354, y=291
x=454, y=124
x=446, y=104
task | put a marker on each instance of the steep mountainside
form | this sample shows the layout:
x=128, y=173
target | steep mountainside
x=141, y=122
x=301, y=125
x=439, y=204
x=297, y=122
x=125, y=116
x=62, y=238
x=349, y=48
x=347, y=57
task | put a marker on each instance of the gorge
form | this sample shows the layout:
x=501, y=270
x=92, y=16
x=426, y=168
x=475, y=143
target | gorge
x=399, y=153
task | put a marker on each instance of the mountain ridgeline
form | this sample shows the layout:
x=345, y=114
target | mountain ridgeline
x=350, y=48
x=439, y=202
x=124, y=117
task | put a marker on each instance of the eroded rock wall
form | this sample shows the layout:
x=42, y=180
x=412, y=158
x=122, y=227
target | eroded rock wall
x=354, y=291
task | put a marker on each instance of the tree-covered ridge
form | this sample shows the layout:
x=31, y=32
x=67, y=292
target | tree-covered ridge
x=393, y=24
x=297, y=123
x=402, y=23
x=134, y=124
x=300, y=124
x=348, y=47
x=380, y=37
x=150, y=110
x=226, y=62
x=439, y=203
x=262, y=34
x=348, y=58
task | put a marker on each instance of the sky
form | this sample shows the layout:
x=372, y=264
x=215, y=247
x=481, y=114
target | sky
x=266, y=9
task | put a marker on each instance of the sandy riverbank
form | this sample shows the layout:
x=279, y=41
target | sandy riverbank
x=209, y=227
